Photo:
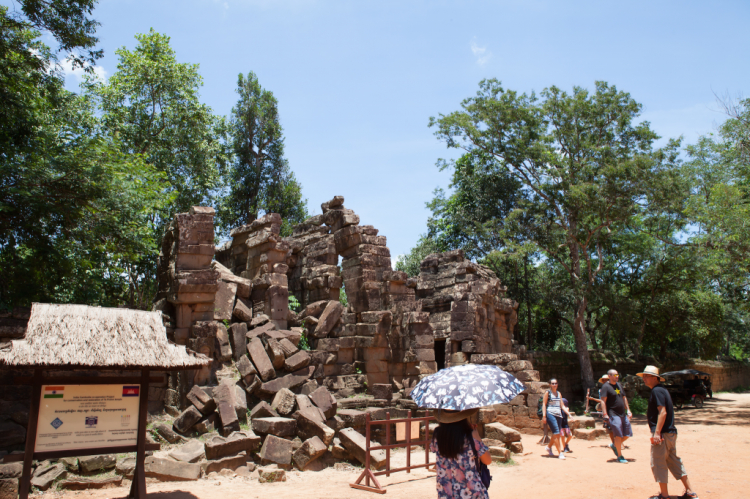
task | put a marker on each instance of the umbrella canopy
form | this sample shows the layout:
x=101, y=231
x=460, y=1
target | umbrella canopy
x=466, y=387
x=694, y=372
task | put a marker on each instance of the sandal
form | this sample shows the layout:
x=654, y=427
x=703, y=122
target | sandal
x=689, y=495
x=659, y=496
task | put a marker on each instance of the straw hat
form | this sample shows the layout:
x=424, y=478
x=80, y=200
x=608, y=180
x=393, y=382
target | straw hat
x=449, y=416
x=604, y=379
x=652, y=370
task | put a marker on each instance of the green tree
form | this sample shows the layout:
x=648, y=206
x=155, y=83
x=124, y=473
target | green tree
x=151, y=104
x=260, y=178
x=584, y=163
x=410, y=262
x=72, y=205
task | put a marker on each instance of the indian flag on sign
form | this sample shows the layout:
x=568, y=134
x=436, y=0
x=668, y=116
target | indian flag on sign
x=53, y=392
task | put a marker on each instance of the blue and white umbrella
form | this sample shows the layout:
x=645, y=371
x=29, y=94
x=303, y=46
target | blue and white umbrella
x=466, y=387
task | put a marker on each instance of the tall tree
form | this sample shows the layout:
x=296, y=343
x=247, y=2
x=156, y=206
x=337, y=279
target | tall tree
x=261, y=180
x=152, y=105
x=72, y=205
x=584, y=163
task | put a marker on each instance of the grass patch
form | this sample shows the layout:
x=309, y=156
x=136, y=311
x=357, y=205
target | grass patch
x=509, y=462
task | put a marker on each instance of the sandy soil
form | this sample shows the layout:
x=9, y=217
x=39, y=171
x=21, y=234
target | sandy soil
x=714, y=443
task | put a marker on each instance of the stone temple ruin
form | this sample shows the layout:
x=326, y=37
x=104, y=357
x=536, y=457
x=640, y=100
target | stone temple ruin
x=392, y=330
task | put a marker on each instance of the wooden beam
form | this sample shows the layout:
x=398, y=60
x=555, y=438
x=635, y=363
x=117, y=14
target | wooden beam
x=138, y=486
x=86, y=380
x=36, y=394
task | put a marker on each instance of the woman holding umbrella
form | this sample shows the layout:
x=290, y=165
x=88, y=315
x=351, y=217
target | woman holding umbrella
x=457, y=393
x=457, y=445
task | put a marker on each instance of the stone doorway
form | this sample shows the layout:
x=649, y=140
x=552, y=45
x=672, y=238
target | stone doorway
x=440, y=353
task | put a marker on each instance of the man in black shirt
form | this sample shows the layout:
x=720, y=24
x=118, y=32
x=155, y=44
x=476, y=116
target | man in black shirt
x=663, y=436
x=615, y=408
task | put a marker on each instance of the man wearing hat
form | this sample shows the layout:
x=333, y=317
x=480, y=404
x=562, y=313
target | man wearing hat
x=663, y=436
x=604, y=379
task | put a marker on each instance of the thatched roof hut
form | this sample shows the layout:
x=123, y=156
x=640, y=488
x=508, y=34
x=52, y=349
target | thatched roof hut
x=79, y=336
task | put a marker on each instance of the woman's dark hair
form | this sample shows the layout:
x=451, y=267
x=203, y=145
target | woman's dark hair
x=451, y=437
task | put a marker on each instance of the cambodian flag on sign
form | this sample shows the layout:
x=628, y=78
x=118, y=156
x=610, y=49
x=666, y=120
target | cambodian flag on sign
x=130, y=391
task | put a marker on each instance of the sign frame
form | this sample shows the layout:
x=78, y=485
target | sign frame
x=138, y=486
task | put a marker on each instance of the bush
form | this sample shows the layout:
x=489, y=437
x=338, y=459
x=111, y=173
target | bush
x=638, y=405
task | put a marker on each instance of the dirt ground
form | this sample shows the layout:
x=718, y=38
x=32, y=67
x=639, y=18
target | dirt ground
x=714, y=443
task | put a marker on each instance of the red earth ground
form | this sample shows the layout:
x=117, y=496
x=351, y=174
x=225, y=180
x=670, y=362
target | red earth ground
x=714, y=443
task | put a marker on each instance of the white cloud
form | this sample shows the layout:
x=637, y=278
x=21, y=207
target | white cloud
x=67, y=66
x=481, y=54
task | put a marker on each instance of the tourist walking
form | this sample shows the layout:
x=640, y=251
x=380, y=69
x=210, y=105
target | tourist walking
x=602, y=381
x=660, y=417
x=616, y=410
x=457, y=445
x=552, y=415
x=565, y=434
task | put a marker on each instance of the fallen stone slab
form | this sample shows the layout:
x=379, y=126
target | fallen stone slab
x=281, y=427
x=168, y=434
x=288, y=347
x=97, y=464
x=191, y=452
x=207, y=425
x=276, y=450
x=224, y=397
x=589, y=434
x=516, y=447
x=311, y=449
x=290, y=381
x=171, y=471
x=45, y=476
x=275, y=353
x=243, y=311
x=225, y=463
x=326, y=402
x=339, y=452
x=260, y=359
x=187, y=419
x=263, y=410
x=217, y=447
x=305, y=404
x=297, y=361
x=11, y=470
x=356, y=444
x=90, y=483
x=500, y=454
x=328, y=319
x=309, y=426
x=352, y=417
x=284, y=402
x=125, y=467
x=201, y=400
x=71, y=464
x=499, y=431
x=271, y=475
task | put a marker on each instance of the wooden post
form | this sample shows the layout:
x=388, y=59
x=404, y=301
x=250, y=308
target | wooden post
x=388, y=443
x=28, y=457
x=138, y=486
x=408, y=442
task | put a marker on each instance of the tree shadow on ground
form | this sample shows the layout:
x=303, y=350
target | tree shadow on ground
x=168, y=494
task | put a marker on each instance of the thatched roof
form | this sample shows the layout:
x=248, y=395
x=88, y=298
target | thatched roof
x=94, y=337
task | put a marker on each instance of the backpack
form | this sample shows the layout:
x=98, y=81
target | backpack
x=540, y=405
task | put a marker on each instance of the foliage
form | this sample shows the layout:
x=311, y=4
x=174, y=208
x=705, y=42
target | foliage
x=342, y=297
x=638, y=405
x=73, y=206
x=260, y=178
x=583, y=162
x=304, y=343
x=294, y=304
x=410, y=262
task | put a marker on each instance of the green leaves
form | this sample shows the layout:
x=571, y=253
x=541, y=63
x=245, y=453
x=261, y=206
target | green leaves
x=260, y=178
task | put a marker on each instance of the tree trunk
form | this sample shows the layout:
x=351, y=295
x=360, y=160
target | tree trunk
x=579, y=333
x=529, y=327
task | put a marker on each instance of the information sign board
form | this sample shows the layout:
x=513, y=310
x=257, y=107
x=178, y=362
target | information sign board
x=87, y=417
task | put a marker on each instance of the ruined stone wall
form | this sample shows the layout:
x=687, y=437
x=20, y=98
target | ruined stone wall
x=466, y=306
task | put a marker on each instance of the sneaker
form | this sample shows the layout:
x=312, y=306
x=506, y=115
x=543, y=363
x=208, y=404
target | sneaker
x=689, y=495
x=614, y=449
x=549, y=452
x=621, y=459
x=567, y=449
x=561, y=456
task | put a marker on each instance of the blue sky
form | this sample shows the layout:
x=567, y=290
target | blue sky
x=357, y=81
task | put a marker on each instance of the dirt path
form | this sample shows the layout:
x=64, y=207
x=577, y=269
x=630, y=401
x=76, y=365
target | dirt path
x=714, y=443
